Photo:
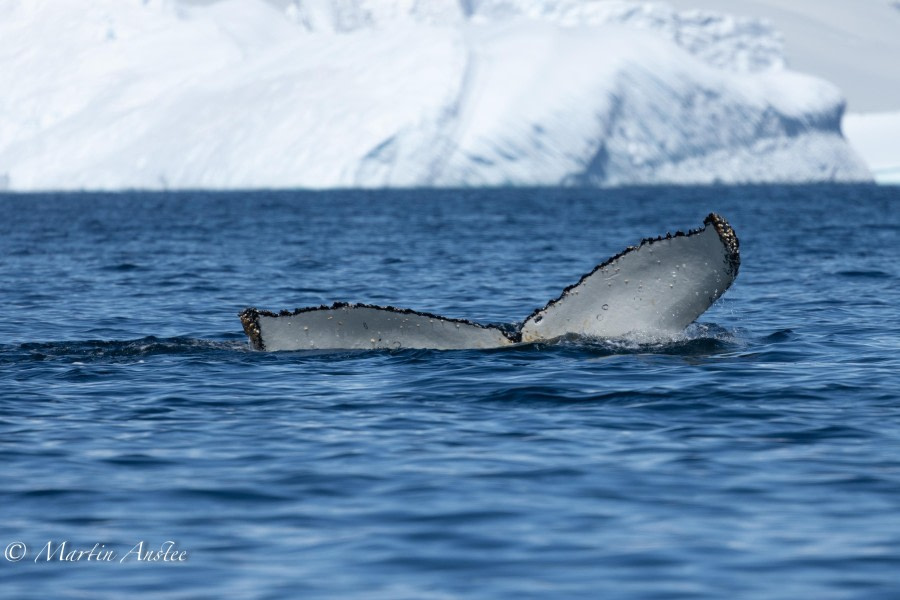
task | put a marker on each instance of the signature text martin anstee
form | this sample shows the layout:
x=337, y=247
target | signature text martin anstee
x=167, y=552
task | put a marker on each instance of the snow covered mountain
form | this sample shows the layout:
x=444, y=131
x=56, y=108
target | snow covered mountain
x=112, y=94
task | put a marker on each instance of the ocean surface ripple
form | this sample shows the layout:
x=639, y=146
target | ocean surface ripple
x=755, y=455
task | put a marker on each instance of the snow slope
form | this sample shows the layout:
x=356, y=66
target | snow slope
x=856, y=45
x=115, y=94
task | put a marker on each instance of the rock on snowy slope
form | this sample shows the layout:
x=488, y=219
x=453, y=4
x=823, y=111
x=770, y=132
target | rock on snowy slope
x=112, y=94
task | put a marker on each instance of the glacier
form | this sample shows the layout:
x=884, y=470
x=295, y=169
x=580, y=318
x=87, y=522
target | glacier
x=162, y=94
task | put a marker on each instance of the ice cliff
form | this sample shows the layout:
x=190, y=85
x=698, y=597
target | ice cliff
x=113, y=94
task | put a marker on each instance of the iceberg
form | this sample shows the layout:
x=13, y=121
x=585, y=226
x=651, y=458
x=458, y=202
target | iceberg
x=851, y=44
x=159, y=94
x=874, y=136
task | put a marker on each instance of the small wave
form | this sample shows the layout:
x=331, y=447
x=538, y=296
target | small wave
x=94, y=350
x=864, y=274
x=782, y=335
x=123, y=267
x=698, y=338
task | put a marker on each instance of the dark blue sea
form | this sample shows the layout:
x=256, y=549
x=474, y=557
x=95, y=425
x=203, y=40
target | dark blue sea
x=756, y=456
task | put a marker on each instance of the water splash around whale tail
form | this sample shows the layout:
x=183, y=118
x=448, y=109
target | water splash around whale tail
x=659, y=286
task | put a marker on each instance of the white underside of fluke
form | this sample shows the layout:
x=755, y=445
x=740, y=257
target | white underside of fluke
x=658, y=287
x=367, y=327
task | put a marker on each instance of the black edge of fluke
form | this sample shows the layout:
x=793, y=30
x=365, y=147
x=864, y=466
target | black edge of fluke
x=250, y=321
x=722, y=227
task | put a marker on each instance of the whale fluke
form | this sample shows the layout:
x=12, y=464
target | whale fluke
x=362, y=326
x=660, y=286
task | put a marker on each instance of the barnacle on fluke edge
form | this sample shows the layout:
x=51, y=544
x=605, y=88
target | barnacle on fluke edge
x=250, y=321
x=729, y=238
x=659, y=286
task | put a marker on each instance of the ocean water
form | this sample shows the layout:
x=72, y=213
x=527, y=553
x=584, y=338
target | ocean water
x=757, y=455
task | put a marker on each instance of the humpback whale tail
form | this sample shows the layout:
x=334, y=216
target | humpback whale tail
x=659, y=286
